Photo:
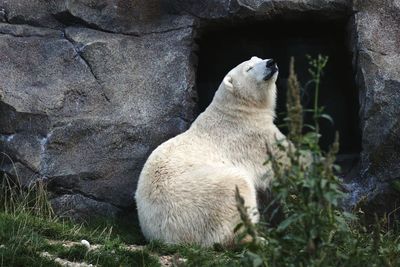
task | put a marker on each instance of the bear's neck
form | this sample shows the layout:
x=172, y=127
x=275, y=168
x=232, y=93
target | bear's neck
x=232, y=106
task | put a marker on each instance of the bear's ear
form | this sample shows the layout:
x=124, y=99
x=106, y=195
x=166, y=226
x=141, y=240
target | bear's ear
x=228, y=83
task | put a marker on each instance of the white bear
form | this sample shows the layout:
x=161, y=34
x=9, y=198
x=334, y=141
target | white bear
x=186, y=190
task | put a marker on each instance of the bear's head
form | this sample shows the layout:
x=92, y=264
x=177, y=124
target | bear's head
x=251, y=83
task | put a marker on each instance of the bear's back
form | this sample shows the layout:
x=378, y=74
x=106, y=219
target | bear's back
x=175, y=158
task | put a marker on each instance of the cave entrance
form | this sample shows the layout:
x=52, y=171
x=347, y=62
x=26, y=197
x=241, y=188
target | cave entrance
x=221, y=47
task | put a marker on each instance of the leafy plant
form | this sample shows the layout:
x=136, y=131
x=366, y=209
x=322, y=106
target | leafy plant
x=316, y=68
x=314, y=231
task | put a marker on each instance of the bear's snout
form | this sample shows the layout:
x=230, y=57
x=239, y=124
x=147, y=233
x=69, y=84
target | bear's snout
x=271, y=63
x=272, y=68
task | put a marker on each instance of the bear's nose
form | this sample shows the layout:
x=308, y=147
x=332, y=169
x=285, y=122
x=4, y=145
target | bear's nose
x=270, y=63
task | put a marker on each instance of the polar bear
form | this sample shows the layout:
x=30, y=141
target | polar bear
x=186, y=190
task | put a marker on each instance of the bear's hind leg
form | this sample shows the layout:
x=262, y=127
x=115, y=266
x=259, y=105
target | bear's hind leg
x=206, y=211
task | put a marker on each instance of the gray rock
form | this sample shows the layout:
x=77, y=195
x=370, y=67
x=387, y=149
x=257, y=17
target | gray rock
x=134, y=17
x=32, y=12
x=18, y=173
x=26, y=148
x=28, y=31
x=205, y=9
x=3, y=15
x=43, y=74
x=263, y=9
x=78, y=207
x=80, y=109
x=378, y=75
x=376, y=33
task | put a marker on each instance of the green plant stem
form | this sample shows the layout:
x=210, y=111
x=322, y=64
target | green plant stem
x=317, y=83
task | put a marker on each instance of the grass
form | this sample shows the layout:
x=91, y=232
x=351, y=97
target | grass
x=24, y=237
x=28, y=228
x=311, y=229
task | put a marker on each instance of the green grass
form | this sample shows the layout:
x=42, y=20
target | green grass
x=20, y=245
x=24, y=237
x=198, y=256
x=28, y=228
x=110, y=254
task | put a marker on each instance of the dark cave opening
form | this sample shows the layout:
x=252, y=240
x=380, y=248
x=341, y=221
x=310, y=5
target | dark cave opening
x=222, y=48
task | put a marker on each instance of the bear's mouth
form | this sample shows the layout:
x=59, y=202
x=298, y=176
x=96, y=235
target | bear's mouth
x=271, y=68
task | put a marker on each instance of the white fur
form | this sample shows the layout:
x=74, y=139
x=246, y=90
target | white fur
x=186, y=190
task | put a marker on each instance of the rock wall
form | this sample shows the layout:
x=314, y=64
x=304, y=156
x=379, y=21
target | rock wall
x=89, y=88
x=375, y=33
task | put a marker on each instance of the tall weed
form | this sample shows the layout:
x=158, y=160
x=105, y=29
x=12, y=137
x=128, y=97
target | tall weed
x=314, y=230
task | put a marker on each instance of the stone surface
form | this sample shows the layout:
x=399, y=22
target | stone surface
x=263, y=9
x=85, y=108
x=78, y=207
x=32, y=12
x=90, y=88
x=376, y=46
x=133, y=17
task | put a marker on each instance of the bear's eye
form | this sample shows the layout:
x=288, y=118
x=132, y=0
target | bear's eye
x=249, y=68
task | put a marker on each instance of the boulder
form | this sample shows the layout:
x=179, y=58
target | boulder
x=375, y=30
x=261, y=9
x=132, y=17
x=32, y=12
x=84, y=108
